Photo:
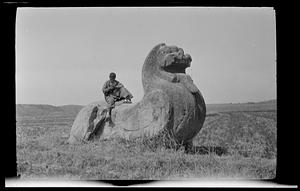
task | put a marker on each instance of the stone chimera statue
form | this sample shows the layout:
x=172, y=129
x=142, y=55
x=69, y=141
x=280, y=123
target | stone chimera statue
x=172, y=103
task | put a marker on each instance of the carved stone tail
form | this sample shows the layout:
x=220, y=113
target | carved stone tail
x=96, y=124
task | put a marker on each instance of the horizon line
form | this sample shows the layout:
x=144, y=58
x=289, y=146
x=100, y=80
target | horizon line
x=137, y=102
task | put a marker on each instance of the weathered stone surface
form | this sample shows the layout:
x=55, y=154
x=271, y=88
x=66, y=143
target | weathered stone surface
x=171, y=102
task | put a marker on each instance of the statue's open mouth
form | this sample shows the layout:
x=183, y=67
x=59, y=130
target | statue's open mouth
x=177, y=62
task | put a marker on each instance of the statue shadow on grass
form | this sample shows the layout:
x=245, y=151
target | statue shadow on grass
x=205, y=150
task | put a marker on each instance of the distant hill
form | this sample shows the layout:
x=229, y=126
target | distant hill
x=269, y=105
x=39, y=109
x=72, y=109
x=272, y=101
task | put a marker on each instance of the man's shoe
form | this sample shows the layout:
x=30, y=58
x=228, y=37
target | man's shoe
x=127, y=101
x=108, y=118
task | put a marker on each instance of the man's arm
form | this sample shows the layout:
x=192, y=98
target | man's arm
x=119, y=85
x=105, y=88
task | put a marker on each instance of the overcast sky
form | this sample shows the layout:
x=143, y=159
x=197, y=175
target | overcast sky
x=64, y=55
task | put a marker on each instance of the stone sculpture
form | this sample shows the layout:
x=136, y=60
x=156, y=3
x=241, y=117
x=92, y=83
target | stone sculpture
x=171, y=103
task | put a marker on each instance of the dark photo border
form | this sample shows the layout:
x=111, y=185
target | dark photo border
x=286, y=144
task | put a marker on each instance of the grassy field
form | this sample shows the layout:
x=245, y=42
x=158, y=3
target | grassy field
x=247, y=131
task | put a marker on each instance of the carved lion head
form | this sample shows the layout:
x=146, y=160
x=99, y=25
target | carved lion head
x=168, y=63
x=172, y=59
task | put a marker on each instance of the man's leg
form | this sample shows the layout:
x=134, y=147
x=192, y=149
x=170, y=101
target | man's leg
x=110, y=104
x=124, y=93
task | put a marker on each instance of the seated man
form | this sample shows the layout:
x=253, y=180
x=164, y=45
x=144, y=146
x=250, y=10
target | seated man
x=115, y=91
